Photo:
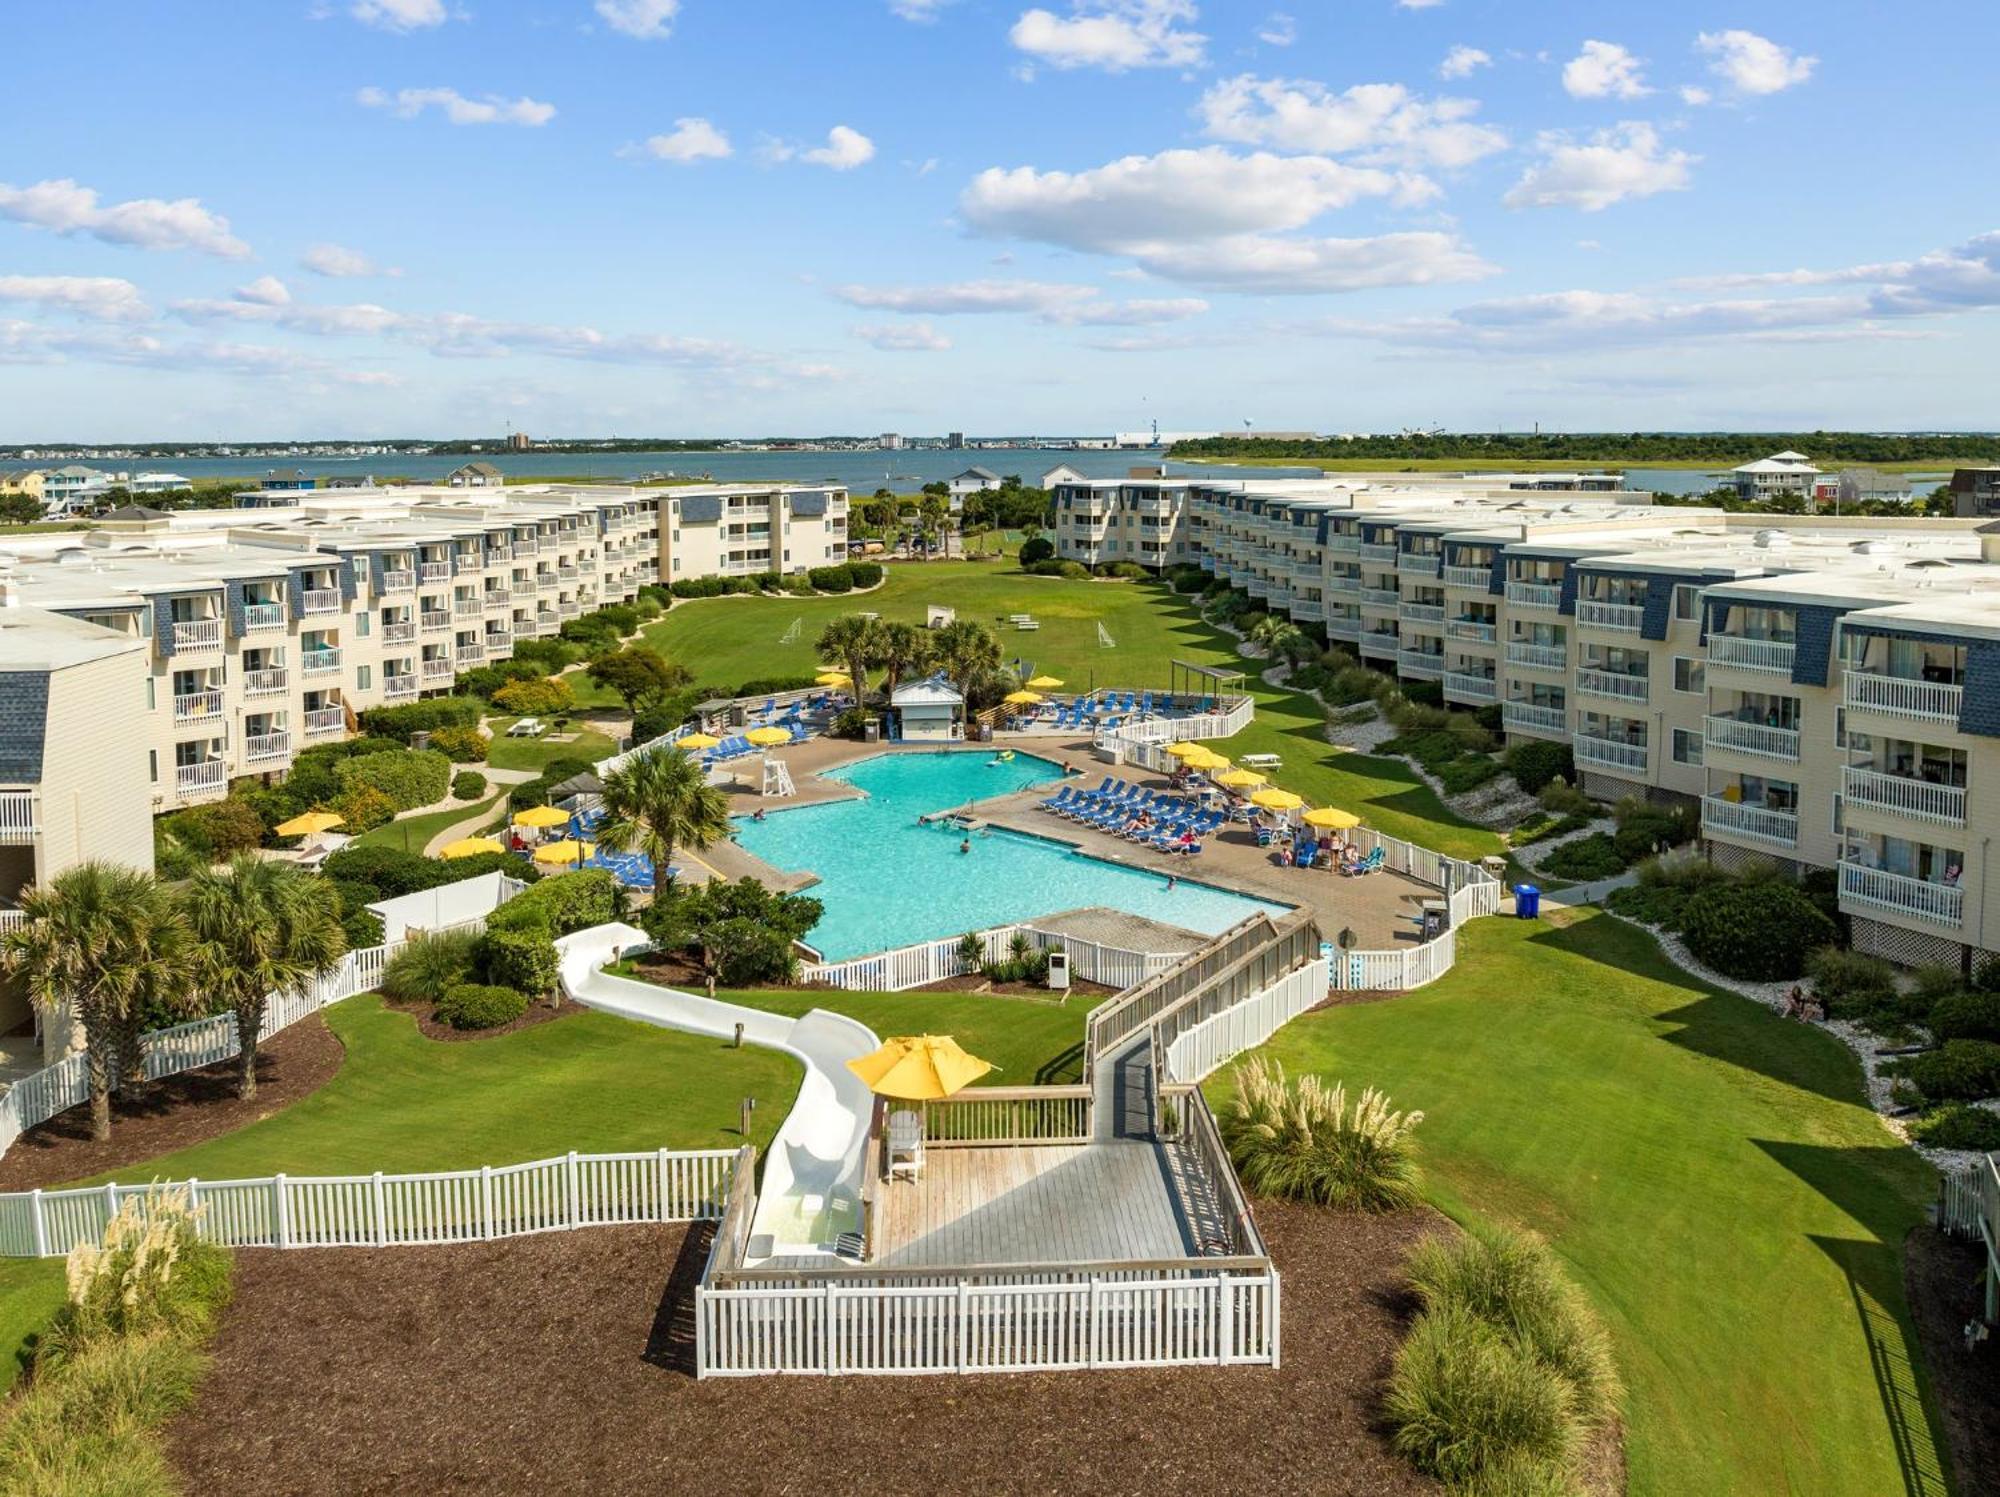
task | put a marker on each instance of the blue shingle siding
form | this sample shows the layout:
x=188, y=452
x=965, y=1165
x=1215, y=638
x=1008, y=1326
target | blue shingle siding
x=702, y=509
x=347, y=578
x=1979, y=705
x=24, y=716
x=232, y=608
x=809, y=504
x=378, y=567
x=1659, y=608
x=1566, y=599
x=1325, y=528
x=295, y=594
x=163, y=627
x=1714, y=613
x=1497, y=583
x=1811, y=655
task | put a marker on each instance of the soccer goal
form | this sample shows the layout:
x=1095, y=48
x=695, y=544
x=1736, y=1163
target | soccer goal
x=1104, y=638
x=791, y=635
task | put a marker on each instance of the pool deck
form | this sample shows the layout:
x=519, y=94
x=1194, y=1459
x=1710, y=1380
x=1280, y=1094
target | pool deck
x=1381, y=909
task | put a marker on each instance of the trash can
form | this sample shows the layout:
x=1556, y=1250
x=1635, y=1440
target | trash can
x=1527, y=901
x=871, y=730
x=986, y=732
x=1436, y=918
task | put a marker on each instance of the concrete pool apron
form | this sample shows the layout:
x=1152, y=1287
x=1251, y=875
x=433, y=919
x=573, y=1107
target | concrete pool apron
x=813, y=1171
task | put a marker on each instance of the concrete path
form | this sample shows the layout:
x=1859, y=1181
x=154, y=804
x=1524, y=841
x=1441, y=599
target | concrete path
x=1582, y=894
x=813, y=1173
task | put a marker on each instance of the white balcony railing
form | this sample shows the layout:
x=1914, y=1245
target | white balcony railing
x=499, y=639
x=498, y=597
x=1479, y=579
x=400, y=580
x=499, y=555
x=1743, y=737
x=1902, y=696
x=1373, y=552
x=1421, y=613
x=1874, y=888
x=260, y=748
x=1476, y=630
x=1419, y=663
x=209, y=778
x=1419, y=564
x=320, y=600
x=1538, y=657
x=546, y=580
x=1379, y=597
x=1618, y=684
x=1610, y=753
x=1774, y=655
x=434, y=571
x=404, y=685
x=1534, y=594
x=1745, y=820
x=259, y=617
x=437, y=668
x=266, y=682
x=319, y=662
x=198, y=634
x=325, y=722
x=435, y=620
x=399, y=631
x=1903, y=795
x=469, y=655
x=467, y=608
x=1468, y=688
x=1624, y=617
x=1532, y=717
x=20, y=816
x=192, y=706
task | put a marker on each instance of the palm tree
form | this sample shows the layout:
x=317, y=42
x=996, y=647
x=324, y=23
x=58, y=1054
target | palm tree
x=106, y=943
x=260, y=929
x=851, y=640
x=657, y=801
x=902, y=650
x=968, y=653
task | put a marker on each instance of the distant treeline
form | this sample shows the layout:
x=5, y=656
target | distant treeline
x=1637, y=448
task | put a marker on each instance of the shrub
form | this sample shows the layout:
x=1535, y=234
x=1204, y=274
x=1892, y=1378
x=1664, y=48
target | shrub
x=522, y=959
x=1957, y=1071
x=561, y=906
x=408, y=778
x=539, y=698
x=217, y=831
x=1564, y=799
x=1350, y=684
x=86, y=1430
x=865, y=573
x=1664, y=888
x=460, y=745
x=150, y=1273
x=1468, y=773
x=1644, y=828
x=1126, y=570
x=472, y=1005
x=1301, y=1140
x=1761, y=931
x=535, y=792
x=1039, y=548
x=1464, y=1400
x=831, y=579
x=1353, y=717
x=851, y=723
x=1586, y=859
x=364, y=808
x=1535, y=764
x=1857, y=987
x=468, y=784
x=1076, y=571
x=400, y=723
x=361, y=925
x=1966, y=1016
x=1959, y=1126
x=428, y=966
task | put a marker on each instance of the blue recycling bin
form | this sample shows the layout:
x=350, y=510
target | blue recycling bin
x=1527, y=901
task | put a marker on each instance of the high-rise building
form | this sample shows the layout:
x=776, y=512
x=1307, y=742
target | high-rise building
x=889, y=441
x=955, y=441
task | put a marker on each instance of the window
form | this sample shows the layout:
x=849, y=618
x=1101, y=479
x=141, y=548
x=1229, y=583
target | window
x=1687, y=746
x=153, y=765
x=1690, y=674
x=1687, y=601
x=150, y=704
x=364, y=676
x=361, y=624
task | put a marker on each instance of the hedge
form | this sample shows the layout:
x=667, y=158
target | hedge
x=468, y=784
x=1958, y=1071
x=400, y=723
x=410, y=779
x=522, y=959
x=544, y=698
x=1534, y=763
x=561, y=906
x=1762, y=931
x=460, y=745
x=831, y=579
x=473, y=1005
x=1037, y=548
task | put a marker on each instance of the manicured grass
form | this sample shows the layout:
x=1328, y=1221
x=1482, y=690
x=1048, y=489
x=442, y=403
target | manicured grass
x=412, y=832
x=31, y=1291
x=534, y=754
x=1709, y=1172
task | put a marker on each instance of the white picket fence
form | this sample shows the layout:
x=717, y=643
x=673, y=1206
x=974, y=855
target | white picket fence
x=1219, y=1039
x=1475, y=893
x=933, y=961
x=1141, y=741
x=380, y=1210
x=1037, y=1322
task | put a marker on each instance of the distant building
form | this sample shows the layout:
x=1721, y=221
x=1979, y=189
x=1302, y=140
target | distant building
x=955, y=441
x=1855, y=485
x=478, y=475
x=1061, y=473
x=1975, y=492
x=155, y=483
x=288, y=480
x=22, y=481
x=971, y=481
x=519, y=441
x=1780, y=473
x=889, y=441
x=69, y=488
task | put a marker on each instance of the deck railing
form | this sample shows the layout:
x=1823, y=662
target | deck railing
x=1905, y=795
x=1211, y=1043
x=981, y=1116
x=1970, y=1207
x=1112, y=1024
x=20, y=816
x=933, y=961
x=1902, y=696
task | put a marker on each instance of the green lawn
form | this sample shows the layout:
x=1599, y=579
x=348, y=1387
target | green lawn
x=534, y=754
x=412, y=832
x=1708, y=1170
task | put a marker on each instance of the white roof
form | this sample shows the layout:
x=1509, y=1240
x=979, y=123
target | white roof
x=1782, y=462
x=932, y=691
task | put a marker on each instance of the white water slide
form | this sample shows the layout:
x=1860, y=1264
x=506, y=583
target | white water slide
x=812, y=1174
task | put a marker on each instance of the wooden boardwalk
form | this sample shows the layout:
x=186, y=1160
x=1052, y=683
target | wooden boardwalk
x=1066, y=1203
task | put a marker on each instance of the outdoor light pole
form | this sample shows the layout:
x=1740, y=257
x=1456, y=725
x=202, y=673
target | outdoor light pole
x=743, y=1123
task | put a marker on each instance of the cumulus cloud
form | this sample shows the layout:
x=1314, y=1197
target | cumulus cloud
x=692, y=139
x=1113, y=35
x=337, y=262
x=1379, y=122
x=399, y=15
x=1694, y=95
x=1463, y=61
x=1604, y=70
x=903, y=337
x=62, y=206
x=95, y=298
x=1625, y=161
x=918, y=10
x=1057, y=302
x=845, y=149
x=1278, y=30
x=265, y=291
x=1417, y=4
x=1753, y=64
x=648, y=20
x=408, y=103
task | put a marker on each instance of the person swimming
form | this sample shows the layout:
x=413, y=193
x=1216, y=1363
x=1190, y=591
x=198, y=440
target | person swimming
x=965, y=844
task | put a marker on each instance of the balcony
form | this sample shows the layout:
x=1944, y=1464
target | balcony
x=434, y=571
x=1535, y=657
x=467, y=608
x=499, y=555
x=320, y=600
x=544, y=580
x=193, y=706
x=198, y=634
x=500, y=639
x=1469, y=688
x=267, y=682
x=400, y=580
x=1419, y=663
x=1611, y=753
x=1421, y=613
x=1742, y=736
x=469, y=561
x=404, y=685
x=1615, y=684
x=1384, y=554
x=208, y=778
x=399, y=631
x=1418, y=564
x=20, y=817
x=1903, y=795
x=435, y=620
x=498, y=597
x=1380, y=642
x=1348, y=629
x=1773, y=655
x=1532, y=717
x=569, y=610
x=525, y=547
x=469, y=655
x=326, y=722
x=1902, y=696
x=1476, y=630
x=547, y=623
x=1876, y=889
x=566, y=574
x=1534, y=595
x=437, y=668
x=1623, y=617
x=1479, y=579
x=1740, y=819
x=1379, y=597
x=261, y=617
x=1346, y=545
x=262, y=748
x=319, y=662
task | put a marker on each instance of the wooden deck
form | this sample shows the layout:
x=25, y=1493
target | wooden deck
x=1033, y=1203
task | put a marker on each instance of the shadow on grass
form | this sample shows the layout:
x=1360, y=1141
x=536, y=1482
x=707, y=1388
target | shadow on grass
x=1062, y=1069
x=671, y=1342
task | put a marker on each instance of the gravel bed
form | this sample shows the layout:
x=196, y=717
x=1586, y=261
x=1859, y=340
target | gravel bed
x=1532, y=856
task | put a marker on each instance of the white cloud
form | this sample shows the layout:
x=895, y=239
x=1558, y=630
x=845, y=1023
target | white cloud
x=1300, y=266
x=1625, y=161
x=1278, y=30
x=337, y=262
x=918, y=10
x=692, y=139
x=1463, y=61
x=408, y=103
x=265, y=291
x=1383, y=122
x=648, y=20
x=1604, y=70
x=1694, y=95
x=63, y=207
x=1753, y=64
x=903, y=337
x=97, y=298
x=845, y=149
x=1417, y=4
x=399, y=15
x=1114, y=35
x=1058, y=302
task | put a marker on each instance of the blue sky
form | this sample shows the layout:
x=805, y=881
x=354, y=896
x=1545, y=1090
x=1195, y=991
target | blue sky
x=377, y=217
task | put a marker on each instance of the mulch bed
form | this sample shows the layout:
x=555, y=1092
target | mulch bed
x=176, y=1112
x=562, y=1364
x=539, y=1012
x=974, y=982
x=1941, y=1278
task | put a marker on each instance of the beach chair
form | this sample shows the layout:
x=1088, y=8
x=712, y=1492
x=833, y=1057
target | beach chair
x=1370, y=864
x=906, y=1144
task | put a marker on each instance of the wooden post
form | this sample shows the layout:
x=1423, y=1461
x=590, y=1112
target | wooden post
x=283, y=1223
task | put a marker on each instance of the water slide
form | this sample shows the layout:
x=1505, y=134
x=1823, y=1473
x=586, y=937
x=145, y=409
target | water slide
x=813, y=1172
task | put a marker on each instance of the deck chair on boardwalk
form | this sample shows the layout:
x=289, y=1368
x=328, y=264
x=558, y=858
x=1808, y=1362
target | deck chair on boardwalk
x=906, y=1144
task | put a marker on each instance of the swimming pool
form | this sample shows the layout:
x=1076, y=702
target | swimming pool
x=887, y=882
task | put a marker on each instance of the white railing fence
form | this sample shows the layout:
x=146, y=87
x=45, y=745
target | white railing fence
x=1971, y=1208
x=1472, y=892
x=380, y=1210
x=1128, y=738
x=934, y=961
x=1217, y=1040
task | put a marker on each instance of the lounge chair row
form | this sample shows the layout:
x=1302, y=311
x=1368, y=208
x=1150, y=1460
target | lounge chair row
x=1117, y=806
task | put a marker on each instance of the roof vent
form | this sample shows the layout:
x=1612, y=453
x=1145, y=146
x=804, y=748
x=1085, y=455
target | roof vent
x=1770, y=540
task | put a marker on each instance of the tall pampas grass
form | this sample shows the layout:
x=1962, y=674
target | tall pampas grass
x=1306, y=1140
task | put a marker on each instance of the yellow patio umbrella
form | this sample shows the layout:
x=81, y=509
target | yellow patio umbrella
x=1207, y=761
x=769, y=737
x=1022, y=698
x=311, y=824
x=1185, y=750
x=562, y=853
x=469, y=847
x=539, y=816
x=1332, y=818
x=833, y=678
x=1276, y=800
x=1045, y=683
x=1240, y=779
x=696, y=741
x=919, y=1067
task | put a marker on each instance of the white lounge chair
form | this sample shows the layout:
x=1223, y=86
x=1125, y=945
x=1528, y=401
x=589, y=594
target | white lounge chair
x=906, y=1144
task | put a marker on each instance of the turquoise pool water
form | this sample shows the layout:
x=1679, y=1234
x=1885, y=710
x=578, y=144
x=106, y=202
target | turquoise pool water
x=887, y=881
